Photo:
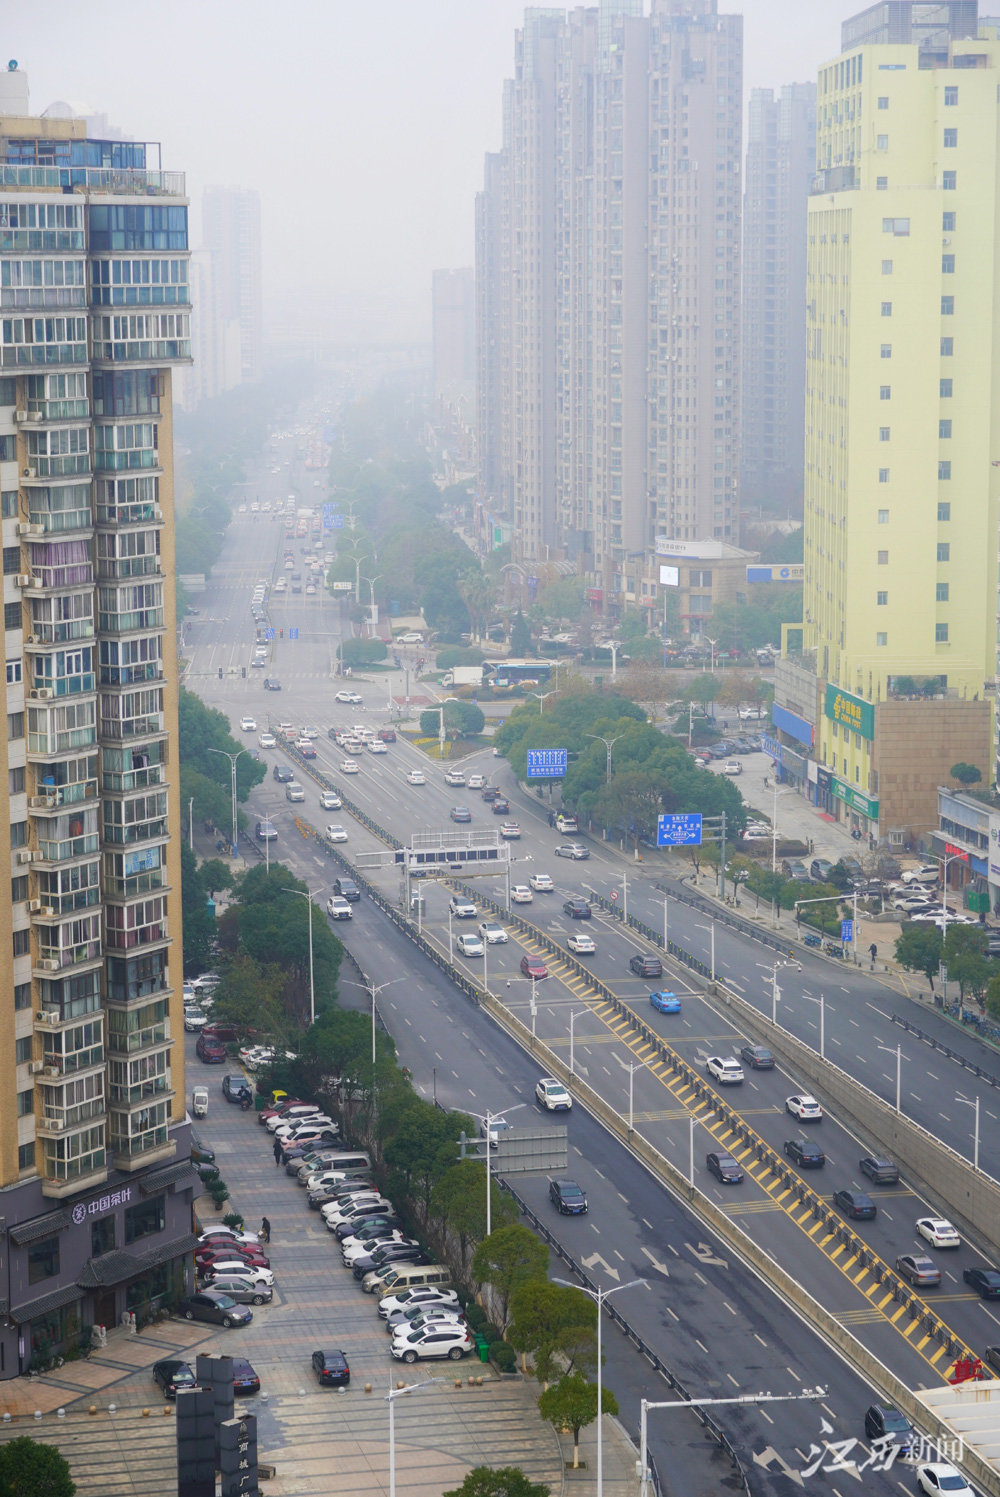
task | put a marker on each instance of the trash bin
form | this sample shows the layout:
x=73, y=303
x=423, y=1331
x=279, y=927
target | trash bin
x=260, y=1103
x=482, y=1348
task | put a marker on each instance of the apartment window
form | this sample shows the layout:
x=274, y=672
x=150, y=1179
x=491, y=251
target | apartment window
x=947, y=264
x=22, y=1051
x=883, y=517
x=881, y=639
x=883, y=101
x=950, y=139
x=11, y=560
x=883, y=558
x=15, y=780
x=948, y=221
x=25, y=1102
x=144, y=1219
x=883, y=433
x=898, y=226
x=887, y=267
x=8, y=449
x=43, y=1259
x=944, y=551
x=940, y=634
x=26, y=1156
x=941, y=592
x=887, y=309
x=947, y=347
x=944, y=470
x=15, y=726
x=885, y=392
x=881, y=600
x=945, y=387
x=882, y=142
x=951, y=94
x=886, y=351
x=102, y=1236
x=21, y=942
x=883, y=475
x=22, y=995
x=944, y=512
x=944, y=429
x=881, y=184
x=19, y=888
x=19, y=834
x=12, y=615
x=949, y=181
x=8, y=504
x=13, y=672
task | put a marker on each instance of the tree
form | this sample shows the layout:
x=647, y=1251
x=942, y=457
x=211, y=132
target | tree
x=458, y=1200
x=28, y=1469
x=355, y=652
x=966, y=960
x=199, y=923
x=461, y=720
x=919, y=949
x=504, y=1481
x=549, y=1319
x=965, y=774
x=520, y=636
x=509, y=1257
x=572, y=1404
x=992, y=999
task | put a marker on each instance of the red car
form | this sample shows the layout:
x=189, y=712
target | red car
x=533, y=966
x=206, y=1256
x=274, y=1112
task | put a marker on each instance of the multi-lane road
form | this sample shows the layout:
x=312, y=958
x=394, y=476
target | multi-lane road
x=705, y=1316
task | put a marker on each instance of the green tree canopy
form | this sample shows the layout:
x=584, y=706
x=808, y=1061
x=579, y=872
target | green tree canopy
x=757, y=622
x=29, y=1469
x=919, y=948
x=499, y=1481
x=458, y=1201
x=509, y=1257
x=965, y=957
x=965, y=774
x=461, y=720
x=268, y=922
x=572, y=1404
x=199, y=924
x=549, y=1319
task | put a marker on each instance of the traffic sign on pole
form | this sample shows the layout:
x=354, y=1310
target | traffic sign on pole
x=679, y=831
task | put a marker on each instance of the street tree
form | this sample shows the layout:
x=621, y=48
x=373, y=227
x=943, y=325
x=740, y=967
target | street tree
x=498, y=1481
x=965, y=774
x=421, y=1143
x=966, y=960
x=572, y=1404
x=919, y=948
x=458, y=1201
x=29, y=1469
x=509, y=1257
x=550, y=1320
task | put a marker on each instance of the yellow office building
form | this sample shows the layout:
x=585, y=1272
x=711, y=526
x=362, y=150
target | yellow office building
x=891, y=674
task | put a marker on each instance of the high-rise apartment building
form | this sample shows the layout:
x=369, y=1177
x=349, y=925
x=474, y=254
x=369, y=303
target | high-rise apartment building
x=226, y=272
x=94, y=313
x=780, y=162
x=608, y=235
x=889, y=680
x=453, y=324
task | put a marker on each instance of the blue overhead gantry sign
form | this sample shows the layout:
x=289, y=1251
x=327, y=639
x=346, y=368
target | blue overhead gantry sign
x=547, y=764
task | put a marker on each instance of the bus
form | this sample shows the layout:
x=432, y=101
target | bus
x=517, y=672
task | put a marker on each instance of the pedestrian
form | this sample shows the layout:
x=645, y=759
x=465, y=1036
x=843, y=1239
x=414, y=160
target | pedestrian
x=277, y=1152
x=552, y=819
x=765, y=782
x=873, y=953
x=265, y=1229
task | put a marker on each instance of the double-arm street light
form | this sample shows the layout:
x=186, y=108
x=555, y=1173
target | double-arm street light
x=609, y=744
x=232, y=764
x=542, y=698
x=373, y=992
x=599, y=1296
x=488, y=1119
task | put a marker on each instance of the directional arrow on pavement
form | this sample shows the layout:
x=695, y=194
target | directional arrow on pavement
x=660, y=1267
x=767, y=1455
x=612, y=1273
x=703, y=1253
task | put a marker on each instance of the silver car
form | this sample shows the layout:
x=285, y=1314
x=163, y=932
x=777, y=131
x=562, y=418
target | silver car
x=243, y=1289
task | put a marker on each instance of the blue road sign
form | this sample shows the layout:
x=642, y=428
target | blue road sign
x=547, y=764
x=846, y=931
x=679, y=831
x=337, y=522
x=293, y=634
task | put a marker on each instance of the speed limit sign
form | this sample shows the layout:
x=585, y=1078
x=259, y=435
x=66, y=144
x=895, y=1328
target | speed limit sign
x=614, y=896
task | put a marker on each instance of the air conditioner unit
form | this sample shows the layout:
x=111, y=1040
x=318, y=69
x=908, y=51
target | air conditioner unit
x=36, y=1067
x=55, y=1125
x=36, y=582
x=34, y=905
x=23, y=579
x=47, y=1016
x=49, y=964
x=20, y=415
x=42, y=694
x=25, y=855
x=47, y=911
x=24, y=528
x=28, y=473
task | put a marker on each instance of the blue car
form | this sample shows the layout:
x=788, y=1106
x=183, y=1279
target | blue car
x=665, y=1003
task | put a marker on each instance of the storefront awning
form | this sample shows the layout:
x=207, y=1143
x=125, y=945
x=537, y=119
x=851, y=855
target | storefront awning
x=41, y=1226
x=160, y=1179
x=55, y=1300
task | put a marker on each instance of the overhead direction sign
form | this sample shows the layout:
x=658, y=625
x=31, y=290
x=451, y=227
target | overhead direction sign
x=679, y=831
x=547, y=764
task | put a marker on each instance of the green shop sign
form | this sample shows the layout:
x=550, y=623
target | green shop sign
x=853, y=712
x=865, y=804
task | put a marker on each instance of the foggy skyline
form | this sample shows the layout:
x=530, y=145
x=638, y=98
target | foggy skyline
x=362, y=127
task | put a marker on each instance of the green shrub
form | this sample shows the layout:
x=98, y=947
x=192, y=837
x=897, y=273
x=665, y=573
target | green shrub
x=355, y=652
x=475, y=1315
x=503, y=1356
x=453, y=655
x=490, y=1333
x=234, y=1220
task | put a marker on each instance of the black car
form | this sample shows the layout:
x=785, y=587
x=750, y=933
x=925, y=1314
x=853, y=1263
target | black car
x=373, y=1230
x=282, y=774
x=173, y=1376
x=757, y=1057
x=992, y=1357
x=805, y=1154
x=724, y=1168
x=567, y=1197
x=985, y=1281
x=390, y=1252
x=855, y=1204
x=882, y=1420
x=331, y=1369
x=245, y=1379
x=501, y=807
x=879, y=1169
x=577, y=909
x=201, y=1153
x=646, y=966
x=205, y=1172
x=347, y=889
x=236, y=1087
x=217, y=1308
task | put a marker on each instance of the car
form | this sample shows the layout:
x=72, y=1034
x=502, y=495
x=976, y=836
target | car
x=231, y=1258
x=220, y=1233
x=331, y=1369
x=805, y=1153
x=577, y=909
x=497, y=1128
x=339, y=909
x=421, y=1315
x=567, y=1197
x=552, y=1095
x=376, y=746
x=236, y=1087
x=427, y=1295
x=510, y=831
x=173, y=1375
x=883, y=1420
x=533, y=967
x=501, y=806
x=387, y=735
x=194, y=1020
x=267, y=741
x=918, y=1270
x=416, y=777
x=350, y=697
x=368, y=1268
x=475, y=782
x=330, y=801
x=200, y=1152
x=454, y=777
x=855, y=1204
x=985, y=1281
x=879, y=1169
x=757, y=1057
x=938, y=1231
x=665, y=1002
x=937, y=1477
x=349, y=766
x=645, y=966
x=440, y=1340
x=243, y=1288
x=804, y=1107
x=283, y=774
x=336, y=833
x=493, y=933
x=220, y=1309
x=580, y=943
x=412, y=637
x=346, y=888
x=732, y=766
x=248, y=724
x=245, y=1379
x=460, y=813
x=520, y=894
x=724, y=1168
x=271, y=683
x=468, y=944
x=724, y=1069
x=489, y=793
x=541, y=883
x=574, y=850
x=462, y=908
x=211, y=1051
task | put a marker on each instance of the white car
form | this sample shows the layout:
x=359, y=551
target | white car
x=349, y=767
x=497, y=1128
x=231, y=1234
x=804, y=1107
x=468, y=944
x=462, y=908
x=303, y=743
x=351, y=697
x=193, y=1020
x=520, y=894
x=248, y=724
x=492, y=933
x=410, y=639
x=422, y=1294
x=552, y=1095
x=416, y=777
x=937, y=1478
x=436, y=1340
x=336, y=833
x=582, y=944
x=376, y=746
x=330, y=801
x=726, y=1070
x=259, y=1277
x=475, y=782
x=574, y=850
x=541, y=883
x=732, y=766
x=267, y=740
x=454, y=777
x=339, y=909
x=309, y=732
x=938, y=1232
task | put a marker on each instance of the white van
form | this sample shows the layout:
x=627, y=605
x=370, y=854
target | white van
x=294, y=791
x=411, y=1275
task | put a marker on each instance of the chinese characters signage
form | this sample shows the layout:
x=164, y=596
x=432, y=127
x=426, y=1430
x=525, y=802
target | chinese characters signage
x=546, y=764
x=852, y=712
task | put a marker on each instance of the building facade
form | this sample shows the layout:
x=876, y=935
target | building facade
x=608, y=269
x=95, y=1178
x=226, y=273
x=903, y=376
x=780, y=164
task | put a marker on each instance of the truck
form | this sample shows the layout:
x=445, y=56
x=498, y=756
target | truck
x=565, y=822
x=463, y=675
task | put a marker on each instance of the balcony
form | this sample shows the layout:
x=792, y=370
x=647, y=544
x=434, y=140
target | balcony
x=142, y=1093
x=60, y=958
x=45, y=635
x=60, y=465
x=142, y=182
x=139, y=1153
x=58, y=797
x=133, y=727
x=136, y=1041
x=75, y=1175
x=154, y=881
x=123, y=568
x=54, y=1121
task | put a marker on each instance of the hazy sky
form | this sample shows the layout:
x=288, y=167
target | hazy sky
x=362, y=123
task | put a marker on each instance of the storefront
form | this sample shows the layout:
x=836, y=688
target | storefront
x=857, y=810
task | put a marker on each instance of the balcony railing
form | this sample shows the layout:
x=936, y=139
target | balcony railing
x=68, y=956
x=137, y=1040
x=133, y=183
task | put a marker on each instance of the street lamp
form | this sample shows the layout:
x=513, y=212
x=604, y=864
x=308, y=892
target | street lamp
x=373, y=992
x=666, y=927
x=572, y=1020
x=775, y=990
x=743, y=1399
x=371, y=581
x=488, y=1119
x=609, y=744
x=232, y=763
x=532, y=1002
x=306, y=894
x=821, y=1000
x=631, y=1085
x=599, y=1296
x=898, y=1053
x=542, y=697
x=965, y=1102
x=711, y=929
x=390, y=1399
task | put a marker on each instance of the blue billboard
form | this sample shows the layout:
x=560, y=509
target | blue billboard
x=679, y=831
x=547, y=764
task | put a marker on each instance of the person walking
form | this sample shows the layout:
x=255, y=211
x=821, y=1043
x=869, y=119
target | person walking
x=265, y=1229
x=277, y=1152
